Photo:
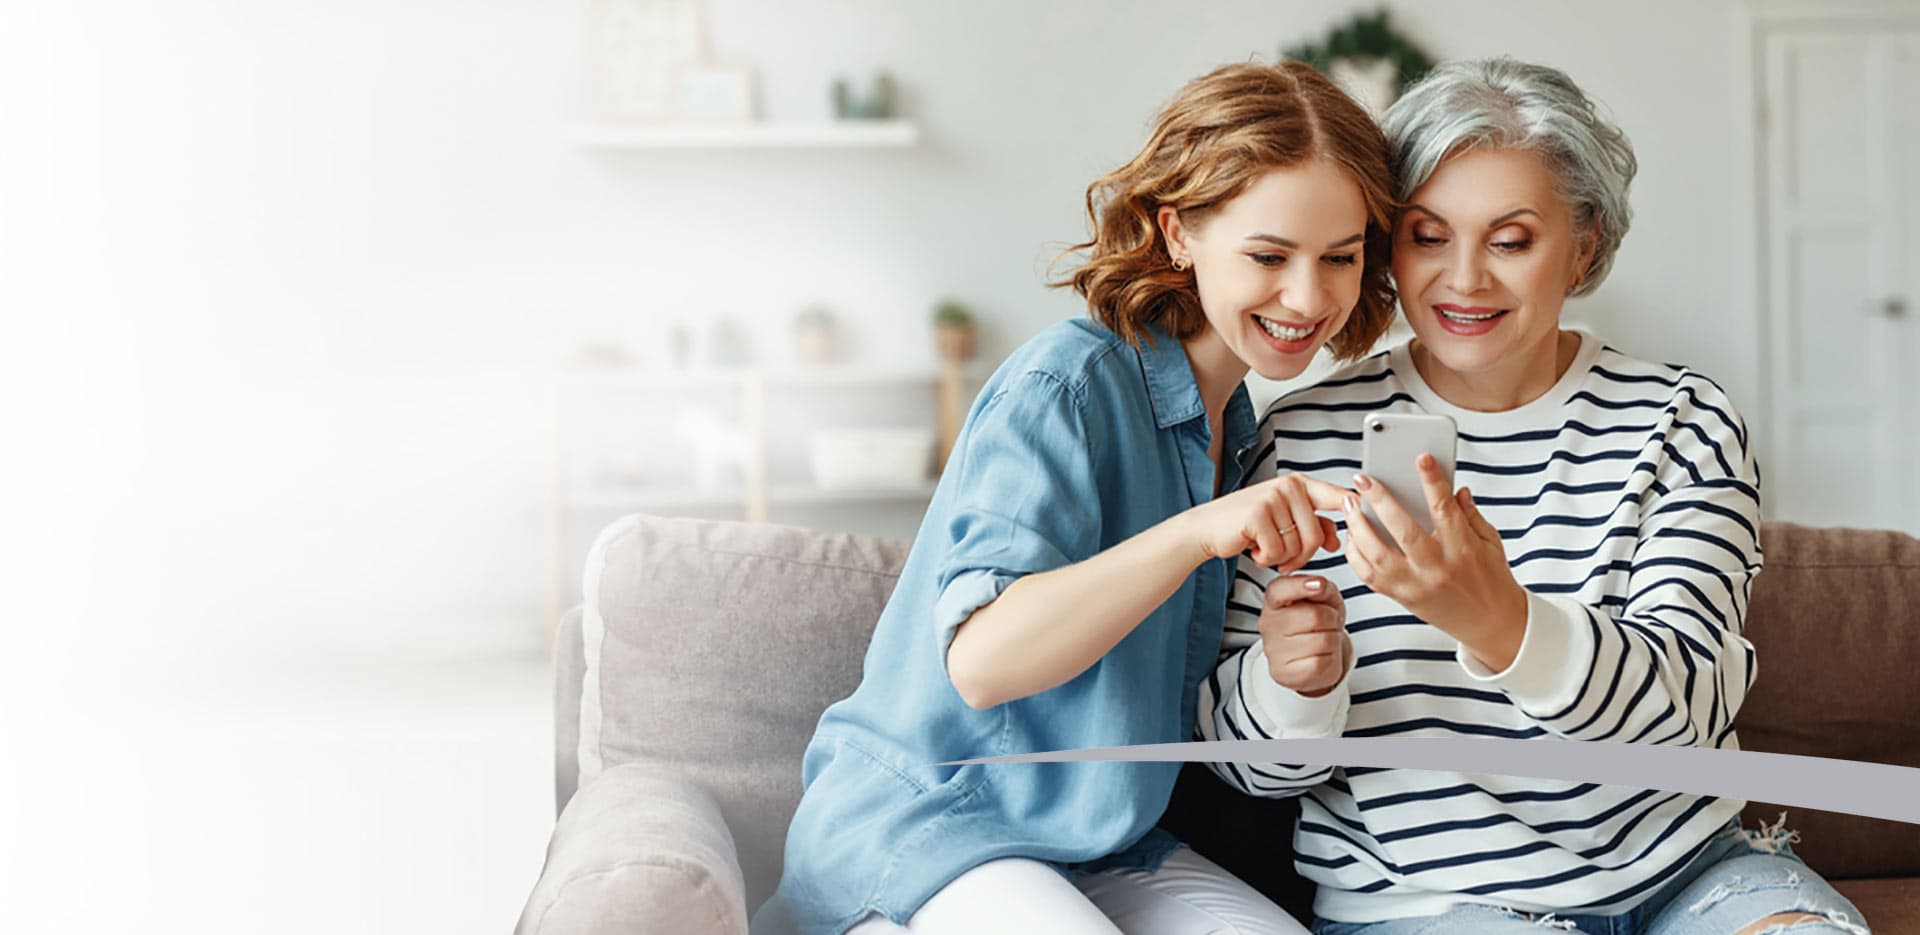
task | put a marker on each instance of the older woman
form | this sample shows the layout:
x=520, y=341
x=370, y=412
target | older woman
x=1588, y=582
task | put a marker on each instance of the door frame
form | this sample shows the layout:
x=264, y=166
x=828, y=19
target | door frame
x=1754, y=23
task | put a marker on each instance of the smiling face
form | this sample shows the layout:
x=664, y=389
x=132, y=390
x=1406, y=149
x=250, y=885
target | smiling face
x=1483, y=257
x=1277, y=268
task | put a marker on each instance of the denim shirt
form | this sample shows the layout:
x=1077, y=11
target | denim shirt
x=1077, y=442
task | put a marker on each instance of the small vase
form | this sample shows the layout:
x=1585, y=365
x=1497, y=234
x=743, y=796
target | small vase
x=955, y=342
x=815, y=344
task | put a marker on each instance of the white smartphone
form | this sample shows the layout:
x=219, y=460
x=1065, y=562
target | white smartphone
x=1392, y=441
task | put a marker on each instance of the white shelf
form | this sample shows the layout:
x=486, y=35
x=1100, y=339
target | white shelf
x=636, y=378
x=823, y=135
x=682, y=498
x=646, y=499
x=801, y=494
x=854, y=376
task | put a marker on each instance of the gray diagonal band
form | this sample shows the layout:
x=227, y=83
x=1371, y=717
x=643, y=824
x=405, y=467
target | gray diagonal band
x=1873, y=790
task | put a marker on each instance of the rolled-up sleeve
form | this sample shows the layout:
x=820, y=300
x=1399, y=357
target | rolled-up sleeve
x=1025, y=499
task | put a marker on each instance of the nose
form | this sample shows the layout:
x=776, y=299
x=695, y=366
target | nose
x=1304, y=288
x=1469, y=274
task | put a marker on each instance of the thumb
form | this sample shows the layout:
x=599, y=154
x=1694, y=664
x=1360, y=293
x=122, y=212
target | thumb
x=1329, y=535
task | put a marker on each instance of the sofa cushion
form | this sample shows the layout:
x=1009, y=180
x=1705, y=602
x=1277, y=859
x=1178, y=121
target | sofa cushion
x=1833, y=625
x=711, y=649
x=638, y=850
x=1891, y=905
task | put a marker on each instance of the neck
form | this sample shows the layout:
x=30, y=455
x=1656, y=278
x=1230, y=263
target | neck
x=1507, y=385
x=1218, y=372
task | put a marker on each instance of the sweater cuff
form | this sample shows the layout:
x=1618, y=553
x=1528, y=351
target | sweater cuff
x=1552, y=664
x=1282, y=712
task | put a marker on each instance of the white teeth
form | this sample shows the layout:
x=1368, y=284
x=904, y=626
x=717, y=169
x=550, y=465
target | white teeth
x=1467, y=319
x=1283, y=332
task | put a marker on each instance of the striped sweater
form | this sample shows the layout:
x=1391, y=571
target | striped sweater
x=1628, y=503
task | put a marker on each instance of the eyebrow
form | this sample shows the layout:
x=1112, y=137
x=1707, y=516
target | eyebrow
x=1496, y=222
x=1290, y=245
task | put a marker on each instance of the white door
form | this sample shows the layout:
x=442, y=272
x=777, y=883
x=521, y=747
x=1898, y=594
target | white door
x=1840, y=188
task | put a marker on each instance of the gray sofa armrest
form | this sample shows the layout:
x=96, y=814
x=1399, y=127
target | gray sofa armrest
x=638, y=850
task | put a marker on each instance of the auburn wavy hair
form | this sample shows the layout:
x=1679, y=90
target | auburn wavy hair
x=1222, y=132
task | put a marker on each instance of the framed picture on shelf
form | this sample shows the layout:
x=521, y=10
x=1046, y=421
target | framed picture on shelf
x=713, y=93
x=636, y=49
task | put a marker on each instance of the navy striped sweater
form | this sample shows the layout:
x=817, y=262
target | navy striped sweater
x=1628, y=501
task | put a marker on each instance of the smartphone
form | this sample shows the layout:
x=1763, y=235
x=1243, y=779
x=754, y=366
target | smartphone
x=1392, y=441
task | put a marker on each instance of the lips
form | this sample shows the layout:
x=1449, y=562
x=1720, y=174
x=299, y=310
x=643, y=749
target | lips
x=1468, y=320
x=1289, y=337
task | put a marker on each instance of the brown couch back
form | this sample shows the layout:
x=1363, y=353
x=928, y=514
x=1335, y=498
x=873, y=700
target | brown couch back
x=1837, y=633
x=1835, y=629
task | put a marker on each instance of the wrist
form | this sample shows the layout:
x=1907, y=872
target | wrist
x=1284, y=712
x=1185, y=540
x=1505, y=630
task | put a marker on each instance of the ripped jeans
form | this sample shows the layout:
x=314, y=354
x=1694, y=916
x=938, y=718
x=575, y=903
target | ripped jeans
x=1741, y=877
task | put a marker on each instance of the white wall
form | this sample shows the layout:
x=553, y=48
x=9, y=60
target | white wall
x=283, y=282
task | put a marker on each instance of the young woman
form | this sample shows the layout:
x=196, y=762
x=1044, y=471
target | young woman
x=1588, y=582
x=1068, y=585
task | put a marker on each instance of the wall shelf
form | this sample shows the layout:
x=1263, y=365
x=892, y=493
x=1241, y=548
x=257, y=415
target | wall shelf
x=654, y=379
x=666, y=500
x=837, y=134
x=802, y=494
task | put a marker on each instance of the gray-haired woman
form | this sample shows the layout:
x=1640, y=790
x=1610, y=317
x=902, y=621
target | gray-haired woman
x=1588, y=584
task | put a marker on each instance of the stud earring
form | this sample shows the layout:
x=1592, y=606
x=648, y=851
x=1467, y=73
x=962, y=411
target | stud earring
x=1180, y=264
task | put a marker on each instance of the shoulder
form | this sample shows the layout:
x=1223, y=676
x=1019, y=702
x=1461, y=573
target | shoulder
x=1065, y=357
x=1362, y=385
x=1691, y=395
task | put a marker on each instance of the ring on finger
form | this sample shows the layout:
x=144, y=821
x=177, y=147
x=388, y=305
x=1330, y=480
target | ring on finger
x=1289, y=528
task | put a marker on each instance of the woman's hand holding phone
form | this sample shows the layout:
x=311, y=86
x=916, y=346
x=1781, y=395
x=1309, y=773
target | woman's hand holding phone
x=1455, y=578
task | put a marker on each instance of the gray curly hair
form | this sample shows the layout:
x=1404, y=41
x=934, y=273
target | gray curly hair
x=1509, y=104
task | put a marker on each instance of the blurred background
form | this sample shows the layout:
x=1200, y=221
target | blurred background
x=333, y=332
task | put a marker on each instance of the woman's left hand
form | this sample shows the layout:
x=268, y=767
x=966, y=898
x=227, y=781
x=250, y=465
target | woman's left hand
x=1455, y=578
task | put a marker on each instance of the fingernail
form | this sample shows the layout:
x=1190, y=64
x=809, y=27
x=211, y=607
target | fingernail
x=1362, y=482
x=1315, y=584
x=1426, y=461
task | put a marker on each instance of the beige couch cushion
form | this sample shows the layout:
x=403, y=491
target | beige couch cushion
x=638, y=850
x=710, y=649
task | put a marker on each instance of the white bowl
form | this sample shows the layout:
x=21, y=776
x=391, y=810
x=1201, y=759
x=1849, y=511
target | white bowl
x=871, y=457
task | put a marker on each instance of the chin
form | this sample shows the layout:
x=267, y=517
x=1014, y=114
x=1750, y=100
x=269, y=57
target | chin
x=1286, y=371
x=1463, y=359
x=1466, y=354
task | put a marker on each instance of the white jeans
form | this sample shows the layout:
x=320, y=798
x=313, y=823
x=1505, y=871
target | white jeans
x=1188, y=895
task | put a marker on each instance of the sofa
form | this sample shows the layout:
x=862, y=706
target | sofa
x=705, y=651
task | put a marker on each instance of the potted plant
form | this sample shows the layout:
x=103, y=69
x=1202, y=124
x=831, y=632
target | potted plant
x=1368, y=57
x=955, y=335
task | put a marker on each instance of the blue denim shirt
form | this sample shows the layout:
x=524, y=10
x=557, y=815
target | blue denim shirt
x=1078, y=442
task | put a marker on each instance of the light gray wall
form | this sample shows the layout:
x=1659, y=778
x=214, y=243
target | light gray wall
x=292, y=276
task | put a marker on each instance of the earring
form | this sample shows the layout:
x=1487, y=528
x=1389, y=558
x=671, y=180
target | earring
x=1180, y=264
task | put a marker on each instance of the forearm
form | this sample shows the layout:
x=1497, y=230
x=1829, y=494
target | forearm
x=1049, y=627
x=1660, y=678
